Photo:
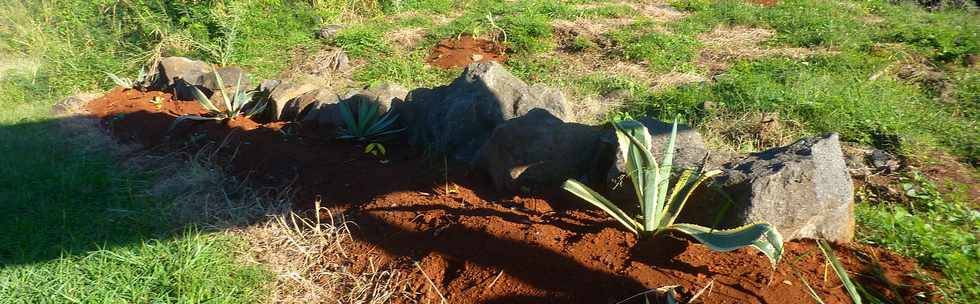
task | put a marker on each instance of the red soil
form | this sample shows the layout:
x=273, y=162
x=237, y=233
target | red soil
x=479, y=247
x=455, y=53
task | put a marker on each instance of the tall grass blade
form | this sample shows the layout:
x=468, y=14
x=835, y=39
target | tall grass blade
x=828, y=252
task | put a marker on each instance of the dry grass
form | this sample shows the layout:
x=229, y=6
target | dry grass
x=307, y=255
x=405, y=39
x=727, y=44
x=310, y=261
x=749, y=132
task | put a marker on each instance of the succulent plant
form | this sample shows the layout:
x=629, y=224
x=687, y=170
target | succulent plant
x=651, y=182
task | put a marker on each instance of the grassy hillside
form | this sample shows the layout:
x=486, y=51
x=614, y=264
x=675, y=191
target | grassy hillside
x=78, y=229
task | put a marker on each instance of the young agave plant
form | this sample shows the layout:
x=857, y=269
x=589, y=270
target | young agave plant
x=652, y=181
x=232, y=106
x=127, y=83
x=369, y=124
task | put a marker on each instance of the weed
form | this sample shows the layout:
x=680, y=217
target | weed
x=651, y=182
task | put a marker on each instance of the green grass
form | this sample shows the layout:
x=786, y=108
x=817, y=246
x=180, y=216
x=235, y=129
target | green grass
x=76, y=226
x=661, y=51
x=940, y=231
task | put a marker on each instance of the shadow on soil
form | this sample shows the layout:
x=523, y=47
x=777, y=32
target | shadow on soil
x=81, y=200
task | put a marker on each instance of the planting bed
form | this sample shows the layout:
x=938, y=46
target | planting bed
x=478, y=246
x=455, y=53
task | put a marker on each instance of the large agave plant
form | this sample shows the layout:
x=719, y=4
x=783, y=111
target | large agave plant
x=660, y=205
x=231, y=106
x=369, y=124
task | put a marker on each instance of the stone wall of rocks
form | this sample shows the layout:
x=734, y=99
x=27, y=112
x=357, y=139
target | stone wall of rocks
x=520, y=136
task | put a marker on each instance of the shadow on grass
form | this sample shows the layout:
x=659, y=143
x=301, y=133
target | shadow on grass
x=63, y=198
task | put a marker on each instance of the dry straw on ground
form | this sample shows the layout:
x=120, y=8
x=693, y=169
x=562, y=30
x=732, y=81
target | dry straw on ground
x=306, y=254
x=727, y=44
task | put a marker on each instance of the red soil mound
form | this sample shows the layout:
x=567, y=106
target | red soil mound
x=455, y=53
x=478, y=247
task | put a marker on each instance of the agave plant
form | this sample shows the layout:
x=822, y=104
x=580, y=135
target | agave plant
x=369, y=124
x=127, y=83
x=231, y=106
x=659, y=211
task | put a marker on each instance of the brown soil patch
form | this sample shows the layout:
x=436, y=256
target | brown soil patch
x=472, y=245
x=456, y=53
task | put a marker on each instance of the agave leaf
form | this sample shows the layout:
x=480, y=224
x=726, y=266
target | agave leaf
x=383, y=123
x=262, y=104
x=828, y=252
x=205, y=101
x=239, y=100
x=368, y=117
x=189, y=117
x=362, y=113
x=641, y=168
x=122, y=82
x=221, y=87
x=683, y=182
x=761, y=236
x=664, y=171
x=347, y=116
x=583, y=192
x=682, y=193
x=388, y=132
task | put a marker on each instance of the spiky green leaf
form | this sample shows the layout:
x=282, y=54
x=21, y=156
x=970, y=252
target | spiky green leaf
x=583, y=192
x=126, y=83
x=682, y=192
x=761, y=236
x=205, y=101
x=189, y=117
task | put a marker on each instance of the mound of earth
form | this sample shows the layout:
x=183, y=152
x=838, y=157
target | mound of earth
x=457, y=53
x=476, y=246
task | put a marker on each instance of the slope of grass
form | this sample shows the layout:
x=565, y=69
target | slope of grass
x=76, y=227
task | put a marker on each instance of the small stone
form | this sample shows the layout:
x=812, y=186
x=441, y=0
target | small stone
x=327, y=32
x=476, y=57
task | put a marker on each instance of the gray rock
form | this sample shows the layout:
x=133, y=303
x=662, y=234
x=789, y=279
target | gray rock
x=298, y=108
x=457, y=119
x=327, y=32
x=268, y=85
x=229, y=77
x=803, y=189
x=537, y=150
x=325, y=112
x=179, y=75
x=285, y=92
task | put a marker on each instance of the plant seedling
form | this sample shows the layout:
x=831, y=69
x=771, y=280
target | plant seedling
x=659, y=211
x=233, y=106
x=369, y=124
x=127, y=83
x=376, y=149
